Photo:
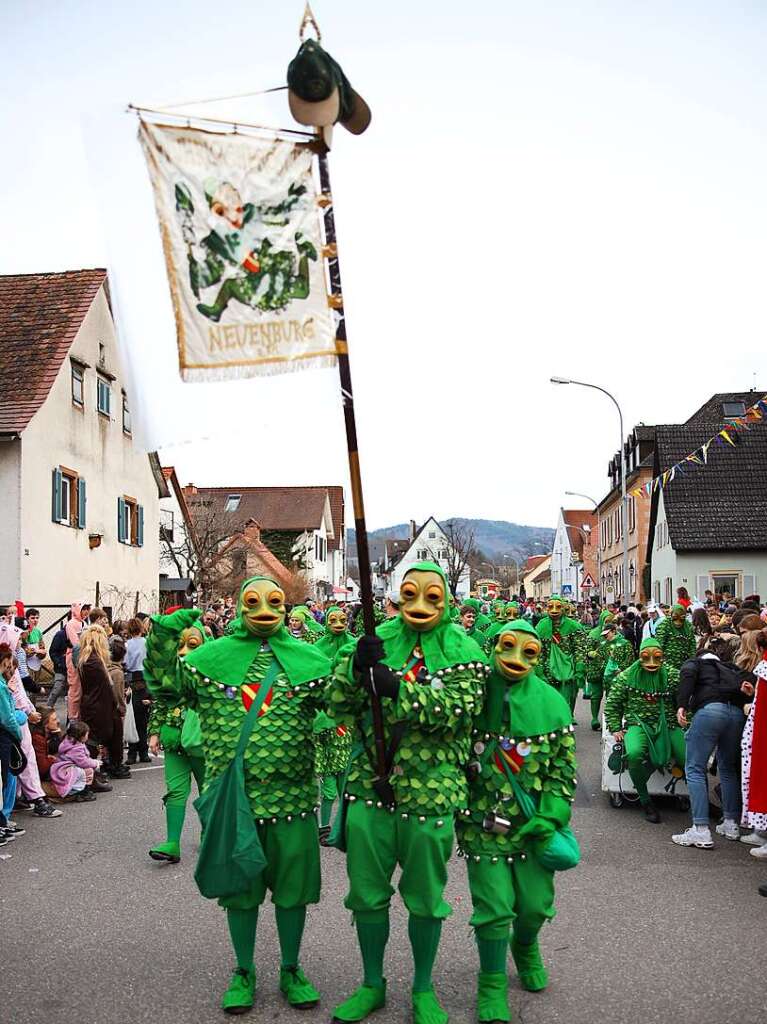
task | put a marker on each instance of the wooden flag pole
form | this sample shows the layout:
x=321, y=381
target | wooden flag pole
x=347, y=397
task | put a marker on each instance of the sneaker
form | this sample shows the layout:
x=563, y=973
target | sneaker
x=760, y=852
x=122, y=771
x=754, y=838
x=85, y=796
x=651, y=813
x=15, y=829
x=698, y=836
x=728, y=829
x=3, y=840
x=45, y=810
x=145, y=759
x=22, y=804
x=7, y=836
x=100, y=787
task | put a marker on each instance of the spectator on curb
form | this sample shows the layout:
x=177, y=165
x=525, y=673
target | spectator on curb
x=99, y=707
x=135, y=653
x=46, y=737
x=35, y=649
x=73, y=771
x=58, y=653
x=118, y=770
x=73, y=628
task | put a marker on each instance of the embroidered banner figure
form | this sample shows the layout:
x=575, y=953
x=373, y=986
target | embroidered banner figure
x=240, y=225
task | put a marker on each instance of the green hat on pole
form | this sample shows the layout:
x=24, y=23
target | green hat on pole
x=320, y=94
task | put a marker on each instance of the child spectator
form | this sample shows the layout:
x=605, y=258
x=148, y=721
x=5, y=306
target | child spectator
x=72, y=771
x=58, y=654
x=117, y=678
x=46, y=739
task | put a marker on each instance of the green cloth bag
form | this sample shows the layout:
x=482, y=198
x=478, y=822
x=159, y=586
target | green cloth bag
x=191, y=735
x=231, y=856
x=561, y=852
x=560, y=664
x=337, y=837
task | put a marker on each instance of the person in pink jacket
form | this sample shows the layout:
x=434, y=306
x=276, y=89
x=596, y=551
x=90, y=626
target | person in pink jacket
x=73, y=629
x=72, y=771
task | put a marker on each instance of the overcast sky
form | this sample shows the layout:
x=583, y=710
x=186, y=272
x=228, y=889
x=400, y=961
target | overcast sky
x=570, y=189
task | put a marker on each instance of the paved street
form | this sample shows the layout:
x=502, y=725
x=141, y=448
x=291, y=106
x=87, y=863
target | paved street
x=96, y=933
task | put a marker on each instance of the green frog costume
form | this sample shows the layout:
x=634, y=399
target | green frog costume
x=641, y=709
x=332, y=740
x=430, y=677
x=523, y=756
x=563, y=656
x=676, y=637
x=614, y=654
x=260, y=663
x=173, y=636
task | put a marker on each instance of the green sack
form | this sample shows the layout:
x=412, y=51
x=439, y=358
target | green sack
x=231, y=856
x=191, y=735
x=560, y=664
x=337, y=837
x=561, y=852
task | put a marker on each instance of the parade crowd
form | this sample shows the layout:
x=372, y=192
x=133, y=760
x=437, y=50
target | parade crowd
x=479, y=701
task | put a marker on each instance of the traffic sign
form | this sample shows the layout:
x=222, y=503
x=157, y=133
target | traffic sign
x=567, y=590
x=588, y=582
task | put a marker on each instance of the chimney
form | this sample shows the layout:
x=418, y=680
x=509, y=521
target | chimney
x=412, y=531
x=190, y=489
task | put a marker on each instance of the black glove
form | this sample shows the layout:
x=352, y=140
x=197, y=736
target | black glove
x=386, y=681
x=370, y=650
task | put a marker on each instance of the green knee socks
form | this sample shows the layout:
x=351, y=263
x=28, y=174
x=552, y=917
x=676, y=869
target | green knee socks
x=242, y=930
x=174, y=821
x=290, y=929
x=373, y=934
x=596, y=703
x=424, y=933
x=492, y=955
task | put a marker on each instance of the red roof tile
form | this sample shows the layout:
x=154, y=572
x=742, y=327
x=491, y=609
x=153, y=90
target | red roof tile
x=40, y=314
x=273, y=508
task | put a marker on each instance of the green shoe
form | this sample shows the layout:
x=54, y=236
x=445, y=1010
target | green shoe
x=366, y=1000
x=211, y=312
x=297, y=989
x=168, y=852
x=533, y=976
x=241, y=994
x=426, y=1009
x=492, y=998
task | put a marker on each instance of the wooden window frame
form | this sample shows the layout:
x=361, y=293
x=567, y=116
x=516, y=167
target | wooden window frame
x=101, y=379
x=126, y=409
x=77, y=373
x=134, y=521
x=75, y=517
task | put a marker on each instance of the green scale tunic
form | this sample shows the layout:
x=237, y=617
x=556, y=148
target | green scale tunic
x=279, y=758
x=618, y=651
x=677, y=644
x=635, y=706
x=573, y=645
x=548, y=766
x=332, y=746
x=427, y=776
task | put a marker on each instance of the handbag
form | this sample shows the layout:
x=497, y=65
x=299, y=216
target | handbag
x=559, y=853
x=18, y=759
x=130, y=732
x=231, y=856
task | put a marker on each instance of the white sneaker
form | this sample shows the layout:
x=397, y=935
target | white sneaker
x=695, y=836
x=728, y=829
x=754, y=838
x=760, y=852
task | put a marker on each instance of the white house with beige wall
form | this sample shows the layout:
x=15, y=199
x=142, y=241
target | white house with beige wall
x=80, y=501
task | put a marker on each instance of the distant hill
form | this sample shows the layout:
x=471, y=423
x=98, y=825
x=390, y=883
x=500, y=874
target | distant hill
x=494, y=538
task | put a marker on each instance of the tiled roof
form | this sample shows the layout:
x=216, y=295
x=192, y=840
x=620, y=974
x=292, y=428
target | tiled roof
x=712, y=411
x=40, y=314
x=575, y=519
x=719, y=505
x=532, y=562
x=273, y=508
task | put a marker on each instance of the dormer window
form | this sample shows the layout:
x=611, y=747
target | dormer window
x=730, y=409
x=232, y=503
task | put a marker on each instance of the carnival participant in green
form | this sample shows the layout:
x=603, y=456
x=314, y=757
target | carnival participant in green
x=523, y=750
x=430, y=677
x=468, y=622
x=595, y=665
x=261, y=662
x=174, y=729
x=563, y=655
x=359, y=623
x=640, y=712
x=512, y=610
x=482, y=621
x=676, y=637
x=303, y=626
x=336, y=635
x=614, y=654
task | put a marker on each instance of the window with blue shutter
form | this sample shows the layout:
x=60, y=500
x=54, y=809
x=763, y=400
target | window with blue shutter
x=103, y=396
x=56, y=506
x=122, y=532
x=81, y=504
x=140, y=525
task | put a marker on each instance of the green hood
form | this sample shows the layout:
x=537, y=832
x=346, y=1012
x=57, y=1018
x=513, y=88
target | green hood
x=330, y=645
x=444, y=646
x=596, y=632
x=300, y=611
x=228, y=659
x=637, y=678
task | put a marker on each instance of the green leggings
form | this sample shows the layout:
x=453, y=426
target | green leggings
x=637, y=756
x=179, y=769
x=520, y=893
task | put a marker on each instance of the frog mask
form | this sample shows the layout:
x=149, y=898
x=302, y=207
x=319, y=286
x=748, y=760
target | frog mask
x=517, y=653
x=337, y=622
x=262, y=607
x=422, y=599
x=190, y=639
x=555, y=609
x=512, y=612
x=651, y=658
x=678, y=615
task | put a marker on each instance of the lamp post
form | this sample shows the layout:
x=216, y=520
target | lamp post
x=596, y=387
x=578, y=494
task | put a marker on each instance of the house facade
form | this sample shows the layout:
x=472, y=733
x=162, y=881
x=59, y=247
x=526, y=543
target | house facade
x=574, y=553
x=638, y=452
x=80, y=501
x=303, y=527
x=429, y=543
x=706, y=531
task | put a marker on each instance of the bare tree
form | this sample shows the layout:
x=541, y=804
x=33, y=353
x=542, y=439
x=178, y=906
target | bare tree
x=460, y=551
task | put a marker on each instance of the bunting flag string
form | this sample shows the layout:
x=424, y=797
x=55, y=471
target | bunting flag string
x=724, y=437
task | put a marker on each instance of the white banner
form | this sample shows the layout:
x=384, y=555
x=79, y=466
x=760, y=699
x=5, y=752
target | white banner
x=240, y=227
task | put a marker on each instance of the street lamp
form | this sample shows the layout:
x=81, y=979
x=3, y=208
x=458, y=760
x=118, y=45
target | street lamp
x=596, y=387
x=578, y=494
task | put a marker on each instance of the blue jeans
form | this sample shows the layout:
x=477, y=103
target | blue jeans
x=715, y=727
